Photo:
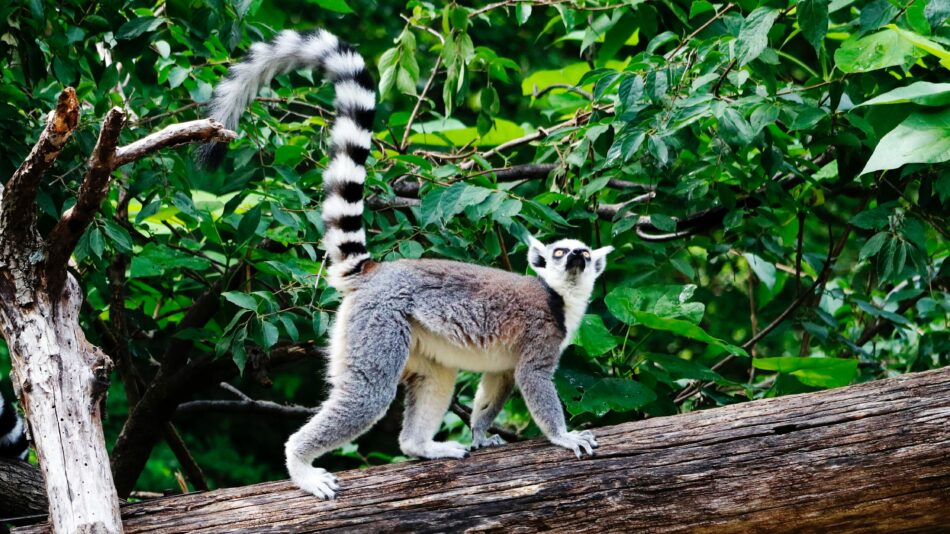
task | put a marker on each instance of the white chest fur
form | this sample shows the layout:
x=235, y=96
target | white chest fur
x=491, y=359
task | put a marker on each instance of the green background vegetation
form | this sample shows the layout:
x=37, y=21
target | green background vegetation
x=800, y=131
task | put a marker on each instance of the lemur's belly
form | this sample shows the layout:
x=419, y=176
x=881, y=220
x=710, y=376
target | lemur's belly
x=491, y=359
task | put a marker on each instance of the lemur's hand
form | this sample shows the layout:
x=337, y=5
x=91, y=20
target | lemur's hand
x=579, y=442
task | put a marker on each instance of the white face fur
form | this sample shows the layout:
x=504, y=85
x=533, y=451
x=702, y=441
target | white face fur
x=567, y=265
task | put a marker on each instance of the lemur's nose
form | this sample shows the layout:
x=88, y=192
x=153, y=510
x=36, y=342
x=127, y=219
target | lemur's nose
x=577, y=252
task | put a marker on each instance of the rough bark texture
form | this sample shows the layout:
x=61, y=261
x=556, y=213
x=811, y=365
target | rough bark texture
x=63, y=378
x=867, y=458
x=21, y=490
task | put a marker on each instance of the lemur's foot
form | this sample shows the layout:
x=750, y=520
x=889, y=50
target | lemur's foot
x=579, y=442
x=320, y=483
x=493, y=440
x=436, y=449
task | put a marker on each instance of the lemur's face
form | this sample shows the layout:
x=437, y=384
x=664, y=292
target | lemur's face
x=567, y=261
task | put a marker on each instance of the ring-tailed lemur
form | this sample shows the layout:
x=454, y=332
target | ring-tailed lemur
x=13, y=442
x=415, y=321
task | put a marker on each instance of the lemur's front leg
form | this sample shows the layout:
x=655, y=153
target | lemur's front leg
x=535, y=379
x=493, y=391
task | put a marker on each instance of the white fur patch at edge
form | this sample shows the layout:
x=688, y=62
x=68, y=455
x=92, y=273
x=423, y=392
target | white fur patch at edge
x=350, y=95
x=345, y=130
x=343, y=169
x=344, y=64
x=336, y=206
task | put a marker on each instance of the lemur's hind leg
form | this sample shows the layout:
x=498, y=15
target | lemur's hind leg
x=493, y=391
x=429, y=389
x=376, y=349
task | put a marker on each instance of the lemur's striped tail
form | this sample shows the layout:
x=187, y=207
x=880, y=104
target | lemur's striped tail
x=12, y=434
x=351, y=134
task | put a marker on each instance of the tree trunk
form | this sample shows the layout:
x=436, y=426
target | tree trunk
x=63, y=379
x=866, y=458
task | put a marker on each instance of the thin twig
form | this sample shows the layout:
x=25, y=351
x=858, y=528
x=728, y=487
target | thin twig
x=415, y=110
x=696, y=32
x=572, y=88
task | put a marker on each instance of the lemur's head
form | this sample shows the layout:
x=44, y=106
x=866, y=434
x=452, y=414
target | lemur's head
x=567, y=263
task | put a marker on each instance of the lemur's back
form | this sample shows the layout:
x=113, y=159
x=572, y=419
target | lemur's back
x=471, y=306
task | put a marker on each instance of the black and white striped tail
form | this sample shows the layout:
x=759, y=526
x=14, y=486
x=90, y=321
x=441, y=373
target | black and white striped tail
x=12, y=433
x=351, y=133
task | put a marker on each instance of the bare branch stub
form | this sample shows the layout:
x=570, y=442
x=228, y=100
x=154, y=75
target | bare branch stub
x=204, y=130
x=95, y=186
x=20, y=242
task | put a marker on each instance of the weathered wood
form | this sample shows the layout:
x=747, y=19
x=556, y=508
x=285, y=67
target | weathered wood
x=868, y=458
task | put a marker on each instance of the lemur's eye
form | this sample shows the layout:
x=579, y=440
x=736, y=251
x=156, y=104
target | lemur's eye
x=586, y=254
x=559, y=252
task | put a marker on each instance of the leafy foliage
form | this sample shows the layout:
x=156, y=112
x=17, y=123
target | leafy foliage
x=723, y=149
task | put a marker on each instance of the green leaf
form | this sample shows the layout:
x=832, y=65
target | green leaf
x=668, y=301
x=923, y=93
x=388, y=64
x=247, y=228
x=242, y=300
x=754, y=34
x=136, y=27
x=290, y=155
x=593, y=336
x=96, y=242
x=685, y=329
x=920, y=138
x=764, y=270
x=443, y=204
x=618, y=395
x=663, y=222
x=340, y=6
x=522, y=12
x=120, y=236
x=923, y=43
x=817, y=372
x=813, y=21
x=680, y=368
x=873, y=245
x=270, y=334
x=885, y=48
x=874, y=218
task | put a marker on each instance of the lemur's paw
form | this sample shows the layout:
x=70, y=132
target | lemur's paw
x=320, y=483
x=436, y=449
x=579, y=442
x=494, y=440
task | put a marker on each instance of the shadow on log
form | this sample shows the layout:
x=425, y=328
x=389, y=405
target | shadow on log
x=873, y=457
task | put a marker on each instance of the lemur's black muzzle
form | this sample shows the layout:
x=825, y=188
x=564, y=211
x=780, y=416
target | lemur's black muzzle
x=575, y=260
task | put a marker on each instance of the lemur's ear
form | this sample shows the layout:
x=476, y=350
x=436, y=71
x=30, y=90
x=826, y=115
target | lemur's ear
x=600, y=258
x=537, y=253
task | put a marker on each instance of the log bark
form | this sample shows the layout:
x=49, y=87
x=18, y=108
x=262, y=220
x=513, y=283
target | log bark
x=21, y=490
x=866, y=458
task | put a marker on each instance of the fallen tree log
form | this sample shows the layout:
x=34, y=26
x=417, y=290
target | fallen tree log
x=870, y=457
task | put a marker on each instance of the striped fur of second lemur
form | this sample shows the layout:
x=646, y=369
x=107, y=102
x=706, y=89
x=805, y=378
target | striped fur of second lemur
x=416, y=321
x=13, y=442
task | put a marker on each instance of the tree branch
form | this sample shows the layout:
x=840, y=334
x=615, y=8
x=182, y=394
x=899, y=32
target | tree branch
x=198, y=131
x=17, y=197
x=95, y=185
